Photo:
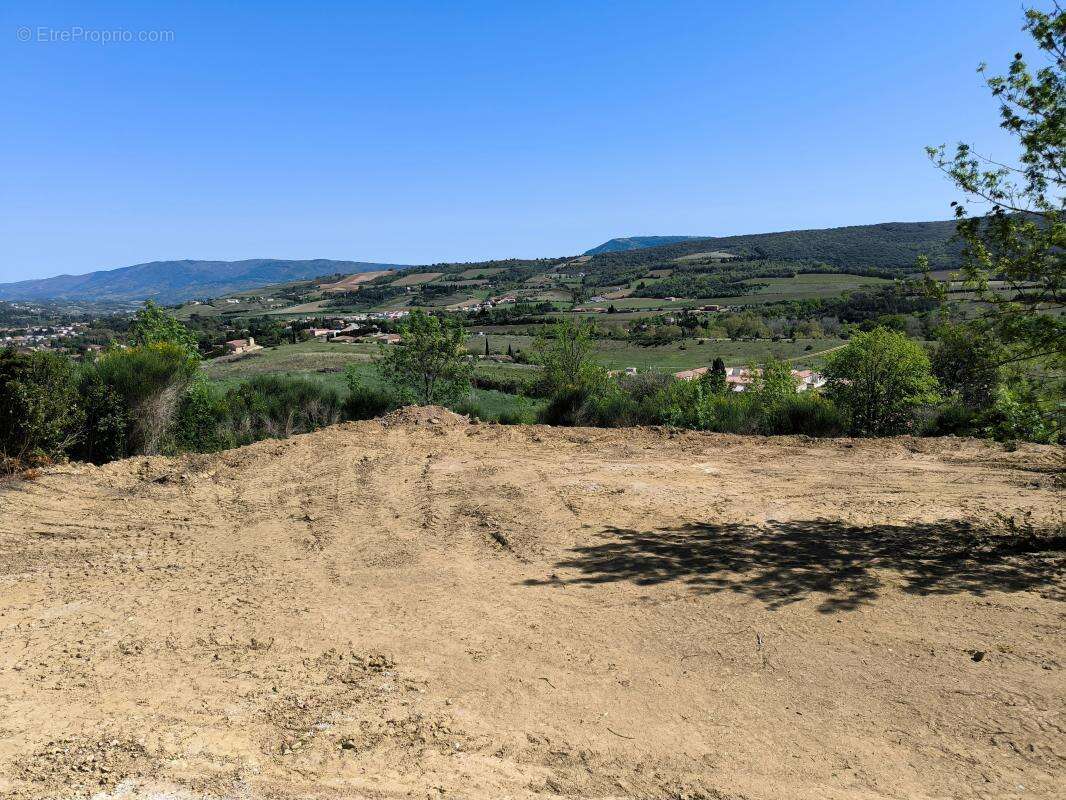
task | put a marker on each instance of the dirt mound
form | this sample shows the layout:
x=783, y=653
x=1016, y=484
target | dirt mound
x=424, y=607
x=424, y=415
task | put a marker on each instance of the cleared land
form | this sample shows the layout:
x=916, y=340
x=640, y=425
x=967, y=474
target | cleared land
x=352, y=281
x=421, y=608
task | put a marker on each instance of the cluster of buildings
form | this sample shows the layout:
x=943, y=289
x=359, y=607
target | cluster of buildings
x=238, y=346
x=485, y=305
x=739, y=378
x=353, y=328
x=40, y=338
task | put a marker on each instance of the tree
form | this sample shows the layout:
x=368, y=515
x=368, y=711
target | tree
x=486, y=345
x=879, y=380
x=429, y=365
x=1021, y=240
x=773, y=384
x=746, y=325
x=565, y=352
x=714, y=379
x=39, y=410
x=152, y=325
x=968, y=366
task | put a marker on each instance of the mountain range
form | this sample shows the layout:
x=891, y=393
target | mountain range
x=176, y=281
x=892, y=246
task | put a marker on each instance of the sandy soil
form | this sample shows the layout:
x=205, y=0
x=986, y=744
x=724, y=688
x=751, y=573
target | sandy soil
x=427, y=608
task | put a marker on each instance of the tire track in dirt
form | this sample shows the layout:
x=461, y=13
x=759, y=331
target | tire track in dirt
x=670, y=614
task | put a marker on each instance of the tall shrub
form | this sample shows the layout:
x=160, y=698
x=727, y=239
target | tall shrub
x=279, y=406
x=879, y=381
x=40, y=412
x=149, y=382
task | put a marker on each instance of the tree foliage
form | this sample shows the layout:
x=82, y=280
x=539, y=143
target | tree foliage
x=39, y=410
x=880, y=380
x=565, y=351
x=1013, y=255
x=968, y=366
x=152, y=325
x=429, y=365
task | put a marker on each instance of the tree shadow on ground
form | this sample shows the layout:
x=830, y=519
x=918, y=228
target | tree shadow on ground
x=784, y=562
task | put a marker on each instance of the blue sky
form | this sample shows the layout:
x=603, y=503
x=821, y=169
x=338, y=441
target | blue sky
x=415, y=132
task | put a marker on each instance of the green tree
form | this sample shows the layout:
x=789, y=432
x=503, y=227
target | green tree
x=880, y=380
x=968, y=366
x=1013, y=255
x=773, y=384
x=40, y=414
x=429, y=365
x=152, y=325
x=745, y=326
x=565, y=352
x=714, y=379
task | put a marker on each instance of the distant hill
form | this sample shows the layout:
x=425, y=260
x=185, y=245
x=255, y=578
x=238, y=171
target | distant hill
x=177, y=281
x=886, y=249
x=890, y=245
x=636, y=243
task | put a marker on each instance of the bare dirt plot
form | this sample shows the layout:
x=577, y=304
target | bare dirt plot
x=420, y=608
x=352, y=281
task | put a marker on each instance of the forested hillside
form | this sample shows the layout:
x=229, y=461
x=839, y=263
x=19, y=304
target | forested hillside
x=636, y=243
x=887, y=245
x=175, y=281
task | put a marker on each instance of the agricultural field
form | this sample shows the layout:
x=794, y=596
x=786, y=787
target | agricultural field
x=327, y=363
x=798, y=287
x=416, y=279
x=352, y=281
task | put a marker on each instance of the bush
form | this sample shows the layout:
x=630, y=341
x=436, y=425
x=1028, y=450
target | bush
x=563, y=406
x=148, y=382
x=204, y=420
x=40, y=412
x=807, y=413
x=609, y=407
x=955, y=419
x=279, y=406
x=507, y=384
x=367, y=402
x=106, y=421
x=736, y=412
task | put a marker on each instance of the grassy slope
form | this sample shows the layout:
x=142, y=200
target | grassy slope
x=326, y=363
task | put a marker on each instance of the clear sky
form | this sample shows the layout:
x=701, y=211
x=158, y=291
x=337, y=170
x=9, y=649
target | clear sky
x=414, y=132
